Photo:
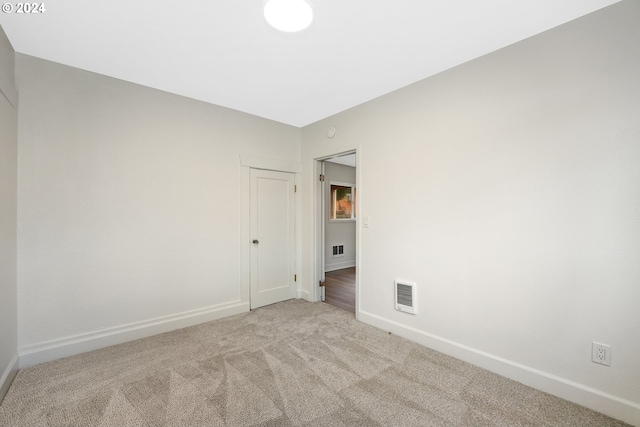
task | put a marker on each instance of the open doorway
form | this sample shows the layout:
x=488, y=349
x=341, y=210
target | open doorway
x=340, y=211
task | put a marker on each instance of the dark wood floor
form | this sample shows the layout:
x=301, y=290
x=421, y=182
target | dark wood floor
x=340, y=288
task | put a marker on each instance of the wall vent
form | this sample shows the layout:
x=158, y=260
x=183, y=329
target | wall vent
x=337, y=251
x=405, y=296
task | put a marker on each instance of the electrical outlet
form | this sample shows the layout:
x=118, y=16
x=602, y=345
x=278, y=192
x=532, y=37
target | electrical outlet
x=601, y=353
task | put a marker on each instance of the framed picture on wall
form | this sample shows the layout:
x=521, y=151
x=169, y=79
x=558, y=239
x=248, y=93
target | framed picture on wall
x=343, y=202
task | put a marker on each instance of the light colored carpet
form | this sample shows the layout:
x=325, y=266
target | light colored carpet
x=289, y=364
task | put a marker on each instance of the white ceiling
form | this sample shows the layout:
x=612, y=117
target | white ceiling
x=224, y=53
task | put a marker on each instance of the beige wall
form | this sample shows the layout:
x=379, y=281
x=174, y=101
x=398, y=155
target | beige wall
x=518, y=179
x=129, y=208
x=336, y=232
x=8, y=222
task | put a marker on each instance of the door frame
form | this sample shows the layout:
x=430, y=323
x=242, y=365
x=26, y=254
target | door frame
x=317, y=245
x=248, y=162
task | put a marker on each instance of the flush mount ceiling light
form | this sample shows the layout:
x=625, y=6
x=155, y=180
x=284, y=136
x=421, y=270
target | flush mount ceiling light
x=288, y=15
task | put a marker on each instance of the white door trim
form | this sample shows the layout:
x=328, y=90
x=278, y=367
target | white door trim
x=267, y=163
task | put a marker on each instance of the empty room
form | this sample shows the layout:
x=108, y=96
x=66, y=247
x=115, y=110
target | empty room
x=164, y=207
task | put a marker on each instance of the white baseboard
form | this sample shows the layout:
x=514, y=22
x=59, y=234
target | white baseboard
x=339, y=265
x=591, y=398
x=8, y=375
x=69, y=346
x=305, y=295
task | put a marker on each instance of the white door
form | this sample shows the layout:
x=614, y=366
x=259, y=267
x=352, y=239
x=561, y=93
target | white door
x=272, y=234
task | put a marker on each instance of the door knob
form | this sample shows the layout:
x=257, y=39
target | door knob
x=255, y=241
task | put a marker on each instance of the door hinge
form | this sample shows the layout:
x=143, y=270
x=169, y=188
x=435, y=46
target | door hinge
x=322, y=178
x=295, y=188
x=295, y=277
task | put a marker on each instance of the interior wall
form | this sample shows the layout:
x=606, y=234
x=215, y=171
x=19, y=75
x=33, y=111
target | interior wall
x=8, y=221
x=129, y=207
x=510, y=196
x=338, y=232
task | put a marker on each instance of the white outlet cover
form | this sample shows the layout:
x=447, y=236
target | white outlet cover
x=601, y=353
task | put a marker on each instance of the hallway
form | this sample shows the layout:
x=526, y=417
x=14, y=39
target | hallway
x=340, y=288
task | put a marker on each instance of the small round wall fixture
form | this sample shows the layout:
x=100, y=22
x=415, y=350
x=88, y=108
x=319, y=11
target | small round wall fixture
x=331, y=132
x=288, y=15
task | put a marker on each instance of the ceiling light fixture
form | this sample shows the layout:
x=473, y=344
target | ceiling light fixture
x=288, y=15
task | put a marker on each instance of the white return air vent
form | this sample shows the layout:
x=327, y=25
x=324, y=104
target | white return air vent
x=337, y=250
x=405, y=296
